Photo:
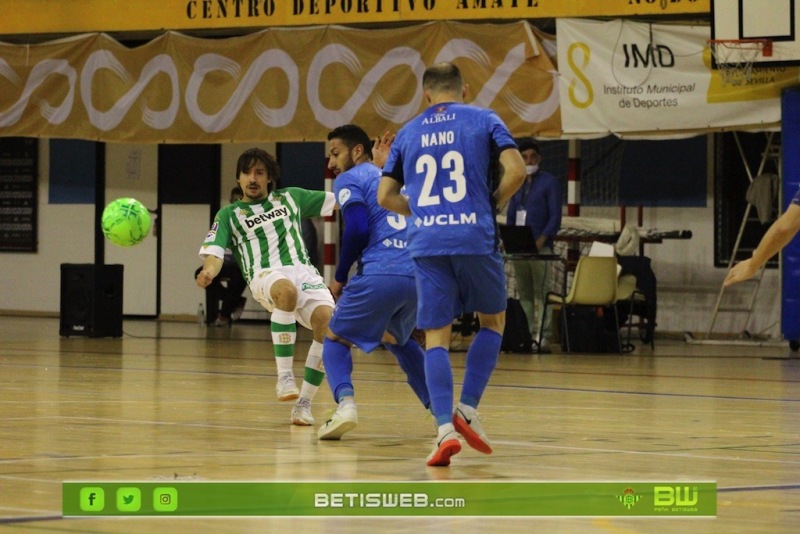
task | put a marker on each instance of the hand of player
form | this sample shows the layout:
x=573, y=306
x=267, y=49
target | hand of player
x=204, y=278
x=380, y=149
x=740, y=272
x=336, y=289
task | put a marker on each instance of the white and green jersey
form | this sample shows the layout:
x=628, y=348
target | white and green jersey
x=266, y=234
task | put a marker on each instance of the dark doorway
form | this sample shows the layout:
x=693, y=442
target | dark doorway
x=187, y=174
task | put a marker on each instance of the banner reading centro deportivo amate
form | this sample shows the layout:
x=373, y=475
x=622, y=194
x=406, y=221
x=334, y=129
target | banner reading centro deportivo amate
x=30, y=17
x=634, y=78
x=276, y=85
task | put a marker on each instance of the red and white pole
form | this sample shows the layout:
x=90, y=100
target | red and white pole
x=574, y=178
x=330, y=235
x=573, y=195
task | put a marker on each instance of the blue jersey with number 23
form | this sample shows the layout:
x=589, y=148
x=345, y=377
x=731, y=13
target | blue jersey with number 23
x=445, y=156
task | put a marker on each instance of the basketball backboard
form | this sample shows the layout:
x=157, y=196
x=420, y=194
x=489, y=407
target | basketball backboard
x=771, y=22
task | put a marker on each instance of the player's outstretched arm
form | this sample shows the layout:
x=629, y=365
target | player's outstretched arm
x=778, y=236
x=211, y=267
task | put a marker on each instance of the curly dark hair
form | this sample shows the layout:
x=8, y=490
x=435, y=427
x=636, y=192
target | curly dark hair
x=251, y=156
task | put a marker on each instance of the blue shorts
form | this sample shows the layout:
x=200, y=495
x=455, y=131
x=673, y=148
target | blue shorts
x=373, y=304
x=448, y=286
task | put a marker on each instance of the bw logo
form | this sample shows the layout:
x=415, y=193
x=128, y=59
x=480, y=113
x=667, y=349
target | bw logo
x=284, y=338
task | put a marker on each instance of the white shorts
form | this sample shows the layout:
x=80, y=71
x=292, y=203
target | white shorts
x=311, y=290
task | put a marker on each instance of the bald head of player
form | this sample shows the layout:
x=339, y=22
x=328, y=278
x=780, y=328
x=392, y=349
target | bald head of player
x=442, y=82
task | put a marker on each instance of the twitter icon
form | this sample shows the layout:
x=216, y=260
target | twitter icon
x=129, y=499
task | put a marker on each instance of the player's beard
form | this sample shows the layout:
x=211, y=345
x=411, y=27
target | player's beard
x=350, y=163
x=256, y=194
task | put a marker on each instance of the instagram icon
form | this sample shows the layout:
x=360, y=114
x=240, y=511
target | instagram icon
x=165, y=499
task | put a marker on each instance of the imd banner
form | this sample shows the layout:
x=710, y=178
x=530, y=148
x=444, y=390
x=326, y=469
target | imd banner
x=633, y=78
x=275, y=85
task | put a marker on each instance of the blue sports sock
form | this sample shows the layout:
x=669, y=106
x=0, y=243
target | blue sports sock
x=338, y=363
x=481, y=361
x=439, y=377
x=412, y=361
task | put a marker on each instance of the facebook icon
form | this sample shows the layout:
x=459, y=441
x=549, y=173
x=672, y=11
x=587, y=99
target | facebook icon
x=92, y=499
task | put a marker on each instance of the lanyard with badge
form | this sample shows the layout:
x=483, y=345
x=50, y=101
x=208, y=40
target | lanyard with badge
x=522, y=213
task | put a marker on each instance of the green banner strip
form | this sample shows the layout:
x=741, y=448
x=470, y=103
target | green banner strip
x=418, y=498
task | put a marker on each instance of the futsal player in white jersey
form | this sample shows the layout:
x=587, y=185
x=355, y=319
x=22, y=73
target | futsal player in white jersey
x=446, y=157
x=378, y=304
x=263, y=230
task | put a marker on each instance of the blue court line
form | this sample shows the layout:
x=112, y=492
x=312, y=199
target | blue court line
x=759, y=488
x=28, y=519
x=647, y=393
x=547, y=388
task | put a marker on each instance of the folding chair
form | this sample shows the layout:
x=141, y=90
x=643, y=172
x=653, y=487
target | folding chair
x=594, y=283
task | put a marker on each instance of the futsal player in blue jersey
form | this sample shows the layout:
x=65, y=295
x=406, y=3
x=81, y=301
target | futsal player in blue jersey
x=379, y=303
x=447, y=158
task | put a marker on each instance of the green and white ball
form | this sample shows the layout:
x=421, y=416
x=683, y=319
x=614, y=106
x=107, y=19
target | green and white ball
x=125, y=222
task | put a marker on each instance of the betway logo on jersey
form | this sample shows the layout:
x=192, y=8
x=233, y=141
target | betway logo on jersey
x=256, y=220
x=445, y=219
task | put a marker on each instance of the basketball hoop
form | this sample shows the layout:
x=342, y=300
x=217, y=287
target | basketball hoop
x=734, y=58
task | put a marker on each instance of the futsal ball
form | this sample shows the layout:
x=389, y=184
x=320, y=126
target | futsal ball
x=125, y=222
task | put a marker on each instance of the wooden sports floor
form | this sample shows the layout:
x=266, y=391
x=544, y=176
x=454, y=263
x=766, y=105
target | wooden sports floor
x=176, y=401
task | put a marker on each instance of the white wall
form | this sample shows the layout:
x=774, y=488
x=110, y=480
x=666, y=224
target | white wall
x=688, y=282
x=132, y=171
x=183, y=229
x=32, y=282
x=66, y=235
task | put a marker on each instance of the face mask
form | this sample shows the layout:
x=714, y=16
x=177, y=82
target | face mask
x=531, y=169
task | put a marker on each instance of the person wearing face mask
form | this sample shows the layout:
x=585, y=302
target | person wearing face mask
x=536, y=204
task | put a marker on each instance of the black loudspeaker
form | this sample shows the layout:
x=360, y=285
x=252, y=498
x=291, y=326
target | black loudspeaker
x=91, y=300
